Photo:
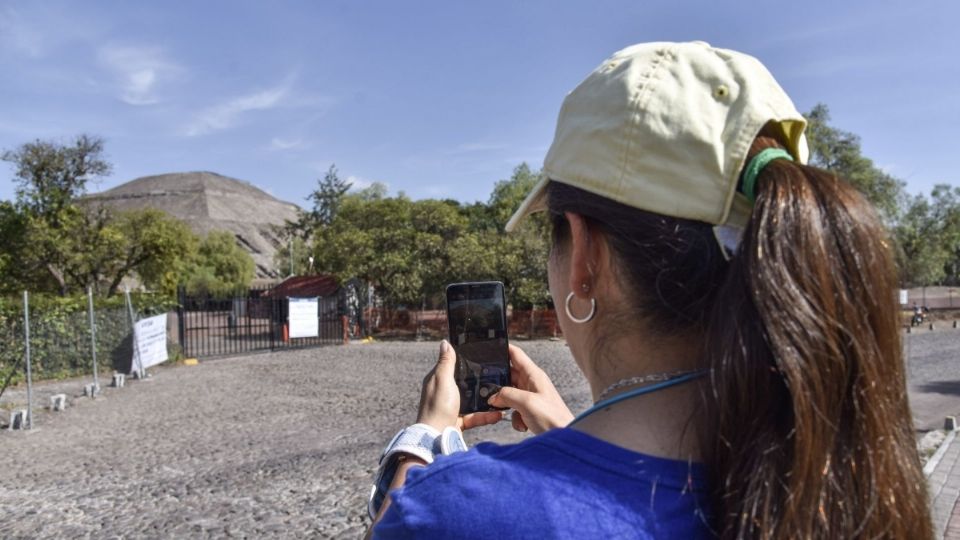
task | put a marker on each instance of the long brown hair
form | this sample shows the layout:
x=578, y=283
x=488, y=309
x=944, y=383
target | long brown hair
x=806, y=429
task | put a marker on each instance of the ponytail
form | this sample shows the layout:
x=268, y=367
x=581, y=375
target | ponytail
x=809, y=432
x=805, y=426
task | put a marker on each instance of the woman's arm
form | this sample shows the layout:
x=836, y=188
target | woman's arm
x=439, y=409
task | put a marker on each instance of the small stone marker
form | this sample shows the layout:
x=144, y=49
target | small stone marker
x=954, y=324
x=931, y=326
x=190, y=362
x=908, y=329
x=58, y=402
x=950, y=423
x=118, y=380
x=91, y=390
x=18, y=419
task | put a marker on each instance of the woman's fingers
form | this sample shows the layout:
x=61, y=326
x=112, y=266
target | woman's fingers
x=511, y=398
x=439, y=398
x=516, y=419
x=522, y=367
x=477, y=419
x=447, y=361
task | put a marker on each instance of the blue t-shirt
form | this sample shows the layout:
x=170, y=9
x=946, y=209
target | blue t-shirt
x=561, y=484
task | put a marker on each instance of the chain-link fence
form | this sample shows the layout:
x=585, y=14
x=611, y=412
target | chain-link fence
x=61, y=343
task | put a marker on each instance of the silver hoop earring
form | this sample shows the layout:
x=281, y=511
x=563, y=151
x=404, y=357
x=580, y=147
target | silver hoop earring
x=593, y=310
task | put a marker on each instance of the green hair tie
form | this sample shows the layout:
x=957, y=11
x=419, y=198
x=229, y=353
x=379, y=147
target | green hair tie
x=756, y=165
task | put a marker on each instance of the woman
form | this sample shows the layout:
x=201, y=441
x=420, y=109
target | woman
x=733, y=312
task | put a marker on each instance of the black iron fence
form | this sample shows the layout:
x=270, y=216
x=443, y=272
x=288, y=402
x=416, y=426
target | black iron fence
x=250, y=322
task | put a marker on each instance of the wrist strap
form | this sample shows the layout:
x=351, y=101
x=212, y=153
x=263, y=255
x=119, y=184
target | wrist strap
x=418, y=440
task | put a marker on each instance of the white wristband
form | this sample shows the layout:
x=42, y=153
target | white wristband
x=418, y=440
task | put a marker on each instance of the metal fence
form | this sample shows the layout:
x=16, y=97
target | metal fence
x=250, y=322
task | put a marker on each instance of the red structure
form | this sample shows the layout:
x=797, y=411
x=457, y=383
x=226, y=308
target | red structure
x=304, y=287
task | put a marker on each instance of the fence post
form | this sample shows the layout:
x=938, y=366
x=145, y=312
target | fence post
x=26, y=335
x=133, y=333
x=181, y=324
x=93, y=342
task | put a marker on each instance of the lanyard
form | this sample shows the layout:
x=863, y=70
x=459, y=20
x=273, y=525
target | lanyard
x=635, y=393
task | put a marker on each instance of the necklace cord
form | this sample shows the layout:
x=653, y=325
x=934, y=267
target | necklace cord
x=638, y=392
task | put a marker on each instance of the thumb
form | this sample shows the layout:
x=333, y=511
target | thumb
x=510, y=397
x=447, y=361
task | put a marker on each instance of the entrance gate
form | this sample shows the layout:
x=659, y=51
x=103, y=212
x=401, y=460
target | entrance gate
x=250, y=322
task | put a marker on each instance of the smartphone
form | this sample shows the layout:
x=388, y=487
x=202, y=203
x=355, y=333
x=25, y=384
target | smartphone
x=477, y=318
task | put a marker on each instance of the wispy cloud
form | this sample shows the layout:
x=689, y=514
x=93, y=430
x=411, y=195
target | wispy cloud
x=358, y=183
x=228, y=113
x=278, y=143
x=138, y=71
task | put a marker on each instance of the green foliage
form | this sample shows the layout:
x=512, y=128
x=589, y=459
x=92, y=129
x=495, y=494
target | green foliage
x=327, y=198
x=60, y=333
x=50, y=176
x=928, y=238
x=158, y=248
x=839, y=151
x=220, y=266
x=300, y=253
x=410, y=250
x=55, y=241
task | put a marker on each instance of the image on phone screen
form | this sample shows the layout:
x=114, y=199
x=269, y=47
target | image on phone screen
x=478, y=332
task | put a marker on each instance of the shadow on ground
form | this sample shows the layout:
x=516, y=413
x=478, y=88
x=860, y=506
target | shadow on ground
x=941, y=387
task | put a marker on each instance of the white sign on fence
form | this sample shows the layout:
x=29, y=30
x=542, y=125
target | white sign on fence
x=151, y=341
x=304, y=317
x=903, y=297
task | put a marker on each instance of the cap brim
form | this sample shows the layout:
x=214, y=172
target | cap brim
x=535, y=202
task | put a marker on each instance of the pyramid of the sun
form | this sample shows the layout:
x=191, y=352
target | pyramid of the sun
x=208, y=201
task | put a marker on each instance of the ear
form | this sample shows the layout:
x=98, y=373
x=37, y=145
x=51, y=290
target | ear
x=586, y=252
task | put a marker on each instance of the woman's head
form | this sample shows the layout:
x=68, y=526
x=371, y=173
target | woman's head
x=805, y=423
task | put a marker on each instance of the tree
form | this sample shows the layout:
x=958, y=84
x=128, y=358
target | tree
x=374, y=192
x=327, y=198
x=300, y=251
x=13, y=228
x=156, y=247
x=220, y=267
x=50, y=178
x=839, y=151
x=921, y=254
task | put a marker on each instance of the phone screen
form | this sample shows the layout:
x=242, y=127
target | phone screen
x=477, y=318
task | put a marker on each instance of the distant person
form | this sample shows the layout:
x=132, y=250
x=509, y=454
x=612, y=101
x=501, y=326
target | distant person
x=733, y=311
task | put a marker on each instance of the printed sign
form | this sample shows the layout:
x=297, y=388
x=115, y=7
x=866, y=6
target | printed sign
x=903, y=297
x=304, y=317
x=151, y=342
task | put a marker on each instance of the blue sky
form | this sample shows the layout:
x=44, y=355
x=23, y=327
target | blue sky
x=437, y=99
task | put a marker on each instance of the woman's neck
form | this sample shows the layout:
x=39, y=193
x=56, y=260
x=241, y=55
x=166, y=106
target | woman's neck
x=662, y=423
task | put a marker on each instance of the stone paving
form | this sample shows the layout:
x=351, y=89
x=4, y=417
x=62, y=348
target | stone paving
x=273, y=445
x=283, y=444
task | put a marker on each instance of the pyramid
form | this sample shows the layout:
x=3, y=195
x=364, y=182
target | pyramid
x=207, y=202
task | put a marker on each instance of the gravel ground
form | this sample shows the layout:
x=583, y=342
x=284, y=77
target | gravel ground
x=281, y=445
x=272, y=445
x=933, y=376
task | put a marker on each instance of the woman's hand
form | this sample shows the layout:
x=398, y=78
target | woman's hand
x=440, y=398
x=536, y=404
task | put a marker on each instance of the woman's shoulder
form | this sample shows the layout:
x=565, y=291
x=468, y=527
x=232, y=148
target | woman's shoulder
x=563, y=453
x=560, y=482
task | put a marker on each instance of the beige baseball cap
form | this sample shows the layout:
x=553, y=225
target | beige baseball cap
x=665, y=127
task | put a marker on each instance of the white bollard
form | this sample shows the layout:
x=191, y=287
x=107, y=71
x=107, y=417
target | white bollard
x=91, y=390
x=18, y=419
x=118, y=380
x=58, y=402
